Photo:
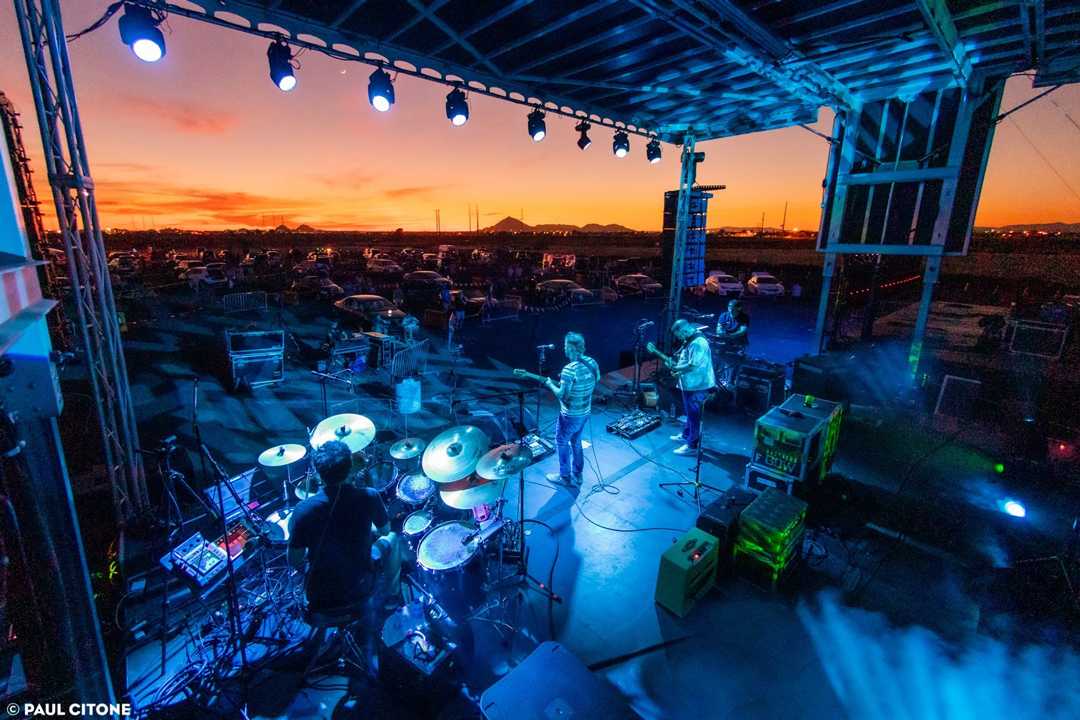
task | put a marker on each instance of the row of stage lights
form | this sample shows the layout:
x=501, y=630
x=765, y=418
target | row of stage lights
x=139, y=30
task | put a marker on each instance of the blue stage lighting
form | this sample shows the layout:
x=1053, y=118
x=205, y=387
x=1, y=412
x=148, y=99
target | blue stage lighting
x=139, y=31
x=537, y=125
x=621, y=144
x=583, y=128
x=652, y=151
x=1014, y=508
x=282, y=71
x=457, y=107
x=380, y=90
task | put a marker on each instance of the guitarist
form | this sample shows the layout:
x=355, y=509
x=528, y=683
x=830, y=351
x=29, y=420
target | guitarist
x=694, y=370
x=577, y=381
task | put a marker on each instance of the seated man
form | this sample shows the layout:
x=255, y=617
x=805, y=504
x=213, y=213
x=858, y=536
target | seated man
x=331, y=533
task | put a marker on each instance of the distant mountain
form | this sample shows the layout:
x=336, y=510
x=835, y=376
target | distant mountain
x=282, y=228
x=1036, y=227
x=510, y=224
x=305, y=229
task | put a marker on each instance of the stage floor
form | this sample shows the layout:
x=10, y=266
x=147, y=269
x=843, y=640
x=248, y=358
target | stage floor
x=857, y=634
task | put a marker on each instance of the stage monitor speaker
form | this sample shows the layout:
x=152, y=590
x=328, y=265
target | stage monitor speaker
x=552, y=683
x=720, y=519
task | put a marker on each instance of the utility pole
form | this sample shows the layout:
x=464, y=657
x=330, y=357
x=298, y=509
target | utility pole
x=438, y=223
x=478, y=219
x=469, y=213
x=783, y=223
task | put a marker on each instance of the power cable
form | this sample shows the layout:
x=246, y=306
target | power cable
x=1045, y=159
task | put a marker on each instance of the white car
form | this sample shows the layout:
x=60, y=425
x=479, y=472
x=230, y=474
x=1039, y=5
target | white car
x=636, y=284
x=762, y=283
x=721, y=283
x=207, y=277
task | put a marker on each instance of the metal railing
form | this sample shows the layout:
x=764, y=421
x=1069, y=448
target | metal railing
x=244, y=301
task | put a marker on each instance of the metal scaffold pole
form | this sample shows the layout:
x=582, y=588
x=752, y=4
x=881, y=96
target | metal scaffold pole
x=45, y=47
x=687, y=176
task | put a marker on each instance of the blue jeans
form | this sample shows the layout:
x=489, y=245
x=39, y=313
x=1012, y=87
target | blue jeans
x=568, y=438
x=692, y=403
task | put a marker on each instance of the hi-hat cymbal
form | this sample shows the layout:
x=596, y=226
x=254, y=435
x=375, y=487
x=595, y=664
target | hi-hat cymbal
x=356, y=431
x=504, y=461
x=282, y=455
x=407, y=449
x=453, y=453
x=471, y=491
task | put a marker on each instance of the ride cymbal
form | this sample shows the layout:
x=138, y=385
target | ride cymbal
x=282, y=455
x=453, y=453
x=356, y=431
x=504, y=461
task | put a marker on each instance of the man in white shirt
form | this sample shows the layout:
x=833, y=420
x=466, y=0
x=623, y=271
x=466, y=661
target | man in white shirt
x=694, y=369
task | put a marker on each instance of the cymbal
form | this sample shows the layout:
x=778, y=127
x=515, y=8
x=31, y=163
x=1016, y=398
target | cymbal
x=504, y=461
x=453, y=453
x=407, y=449
x=282, y=455
x=356, y=431
x=471, y=491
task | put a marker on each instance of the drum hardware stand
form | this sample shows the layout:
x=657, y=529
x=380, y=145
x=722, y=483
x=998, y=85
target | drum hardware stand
x=696, y=483
x=541, y=360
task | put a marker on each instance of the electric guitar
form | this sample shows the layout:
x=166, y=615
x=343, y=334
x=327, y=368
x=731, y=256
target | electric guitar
x=667, y=359
x=518, y=372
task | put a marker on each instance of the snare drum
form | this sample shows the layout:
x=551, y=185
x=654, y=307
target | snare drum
x=416, y=526
x=449, y=569
x=382, y=477
x=276, y=527
x=415, y=489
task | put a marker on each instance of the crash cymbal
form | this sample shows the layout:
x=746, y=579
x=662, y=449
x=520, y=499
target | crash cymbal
x=504, y=461
x=282, y=455
x=356, y=431
x=471, y=491
x=453, y=453
x=407, y=449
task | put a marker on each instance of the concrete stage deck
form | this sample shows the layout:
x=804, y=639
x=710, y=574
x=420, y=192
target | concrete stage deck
x=861, y=632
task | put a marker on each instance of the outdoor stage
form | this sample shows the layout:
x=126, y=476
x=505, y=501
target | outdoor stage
x=743, y=650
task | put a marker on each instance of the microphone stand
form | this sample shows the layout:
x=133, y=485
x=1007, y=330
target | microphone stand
x=541, y=359
x=232, y=598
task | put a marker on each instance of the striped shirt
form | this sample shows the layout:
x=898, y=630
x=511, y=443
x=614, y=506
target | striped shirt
x=578, y=380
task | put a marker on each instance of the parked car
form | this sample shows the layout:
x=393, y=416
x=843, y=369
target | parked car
x=363, y=310
x=555, y=290
x=762, y=283
x=424, y=278
x=309, y=267
x=720, y=283
x=383, y=266
x=637, y=284
x=185, y=264
x=311, y=286
x=124, y=264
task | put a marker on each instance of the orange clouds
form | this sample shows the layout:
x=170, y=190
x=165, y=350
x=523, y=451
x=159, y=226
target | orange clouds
x=185, y=117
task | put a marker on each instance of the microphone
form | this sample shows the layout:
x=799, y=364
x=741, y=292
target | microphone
x=471, y=536
x=549, y=346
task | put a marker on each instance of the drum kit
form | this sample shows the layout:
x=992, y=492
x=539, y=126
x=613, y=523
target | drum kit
x=445, y=497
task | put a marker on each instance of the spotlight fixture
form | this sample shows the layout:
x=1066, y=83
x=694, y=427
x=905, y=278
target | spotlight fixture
x=457, y=107
x=380, y=90
x=621, y=144
x=537, y=125
x=1014, y=508
x=652, y=151
x=583, y=128
x=282, y=71
x=139, y=31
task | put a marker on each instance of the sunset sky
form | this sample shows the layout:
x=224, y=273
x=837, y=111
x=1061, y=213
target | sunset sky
x=204, y=140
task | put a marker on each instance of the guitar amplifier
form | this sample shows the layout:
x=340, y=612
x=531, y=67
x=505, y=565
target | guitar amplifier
x=760, y=385
x=720, y=519
x=687, y=571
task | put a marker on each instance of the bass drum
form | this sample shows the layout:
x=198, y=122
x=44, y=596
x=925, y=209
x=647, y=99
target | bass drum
x=450, y=567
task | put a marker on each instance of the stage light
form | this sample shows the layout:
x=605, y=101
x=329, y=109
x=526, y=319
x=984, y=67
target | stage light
x=282, y=71
x=380, y=90
x=999, y=468
x=653, y=152
x=1014, y=508
x=537, y=125
x=621, y=144
x=583, y=128
x=139, y=31
x=457, y=107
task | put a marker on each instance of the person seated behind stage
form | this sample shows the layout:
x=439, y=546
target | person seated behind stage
x=574, y=391
x=331, y=533
x=733, y=326
x=694, y=370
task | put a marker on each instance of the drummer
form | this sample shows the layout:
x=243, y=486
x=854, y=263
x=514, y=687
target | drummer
x=331, y=534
